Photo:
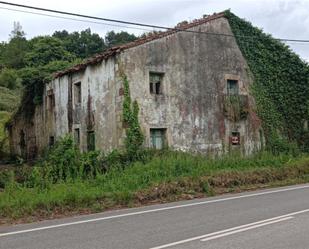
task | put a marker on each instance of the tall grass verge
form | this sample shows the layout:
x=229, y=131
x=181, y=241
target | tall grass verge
x=96, y=182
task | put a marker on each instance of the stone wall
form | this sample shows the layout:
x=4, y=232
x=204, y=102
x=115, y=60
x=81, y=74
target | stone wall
x=196, y=68
x=191, y=105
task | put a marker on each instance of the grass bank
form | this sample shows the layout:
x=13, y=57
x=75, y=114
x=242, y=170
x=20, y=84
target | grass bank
x=164, y=177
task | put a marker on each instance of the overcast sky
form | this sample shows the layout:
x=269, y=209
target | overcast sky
x=281, y=18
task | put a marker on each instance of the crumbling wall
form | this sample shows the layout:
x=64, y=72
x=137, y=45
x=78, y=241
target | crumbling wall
x=190, y=104
x=29, y=136
x=196, y=68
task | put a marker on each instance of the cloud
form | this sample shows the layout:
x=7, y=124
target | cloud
x=283, y=18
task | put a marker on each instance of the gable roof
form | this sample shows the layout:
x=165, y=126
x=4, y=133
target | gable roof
x=117, y=49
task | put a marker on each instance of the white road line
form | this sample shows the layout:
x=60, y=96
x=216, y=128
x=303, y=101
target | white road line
x=281, y=217
x=245, y=229
x=153, y=210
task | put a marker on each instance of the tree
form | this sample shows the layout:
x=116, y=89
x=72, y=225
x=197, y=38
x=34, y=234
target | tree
x=2, y=50
x=14, y=51
x=113, y=39
x=62, y=35
x=9, y=79
x=45, y=49
x=83, y=44
x=17, y=32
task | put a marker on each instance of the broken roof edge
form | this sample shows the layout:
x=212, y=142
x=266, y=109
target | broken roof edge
x=182, y=26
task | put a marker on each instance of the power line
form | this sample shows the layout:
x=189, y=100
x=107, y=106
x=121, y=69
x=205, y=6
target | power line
x=138, y=24
x=74, y=19
x=84, y=16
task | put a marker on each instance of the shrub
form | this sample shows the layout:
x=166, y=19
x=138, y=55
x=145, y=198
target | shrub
x=64, y=162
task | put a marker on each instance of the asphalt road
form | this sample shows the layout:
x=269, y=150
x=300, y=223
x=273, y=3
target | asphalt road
x=273, y=218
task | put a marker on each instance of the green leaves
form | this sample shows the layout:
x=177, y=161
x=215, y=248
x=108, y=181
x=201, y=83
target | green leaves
x=46, y=49
x=281, y=83
x=9, y=79
x=134, y=137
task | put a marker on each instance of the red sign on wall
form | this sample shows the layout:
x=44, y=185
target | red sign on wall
x=235, y=138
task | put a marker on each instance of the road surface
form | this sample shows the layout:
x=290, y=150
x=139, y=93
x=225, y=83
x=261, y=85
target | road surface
x=273, y=218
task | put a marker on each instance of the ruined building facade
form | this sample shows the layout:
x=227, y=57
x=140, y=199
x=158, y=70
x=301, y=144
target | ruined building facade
x=192, y=89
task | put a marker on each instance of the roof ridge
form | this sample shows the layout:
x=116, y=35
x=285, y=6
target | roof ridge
x=182, y=26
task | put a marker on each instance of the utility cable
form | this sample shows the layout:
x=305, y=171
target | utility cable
x=138, y=24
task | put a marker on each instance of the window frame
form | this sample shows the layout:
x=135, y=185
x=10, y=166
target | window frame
x=231, y=90
x=77, y=136
x=153, y=136
x=156, y=86
x=90, y=140
x=78, y=93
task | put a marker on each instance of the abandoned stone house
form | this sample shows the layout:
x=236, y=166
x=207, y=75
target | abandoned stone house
x=186, y=85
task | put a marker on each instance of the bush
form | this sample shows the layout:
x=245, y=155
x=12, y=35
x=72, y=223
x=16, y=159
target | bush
x=9, y=79
x=64, y=162
x=277, y=145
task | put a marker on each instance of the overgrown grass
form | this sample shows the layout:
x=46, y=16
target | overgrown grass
x=167, y=174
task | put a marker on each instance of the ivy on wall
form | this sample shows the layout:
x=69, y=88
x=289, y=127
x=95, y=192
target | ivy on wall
x=33, y=81
x=134, y=137
x=280, y=85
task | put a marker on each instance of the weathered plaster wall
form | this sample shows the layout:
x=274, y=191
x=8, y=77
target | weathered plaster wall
x=191, y=107
x=195, y=67
x=96, y=112
x=60, y=89
x=35, y=133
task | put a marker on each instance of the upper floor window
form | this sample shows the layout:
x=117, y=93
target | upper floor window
x=77, y=93
x=50, y=99
x=155, y=82
x=232, y=87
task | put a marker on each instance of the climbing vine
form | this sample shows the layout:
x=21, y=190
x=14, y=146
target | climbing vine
x=134, y=137
x=236, y=107
x=280, y=85
x=33, y=80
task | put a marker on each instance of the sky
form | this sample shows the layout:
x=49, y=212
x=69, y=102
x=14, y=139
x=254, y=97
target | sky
x=281, y=18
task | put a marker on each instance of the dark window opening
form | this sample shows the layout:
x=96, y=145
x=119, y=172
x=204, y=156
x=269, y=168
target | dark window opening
x=50, y=99
x=155, y=83
x=158, y=138
x=90, y=141
x=235, y=138
x=51, y=141
x=22, y=143
x=232, y=87
x=151, y=88
x=77, y=136
x=50, y=102
x=77, y=93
